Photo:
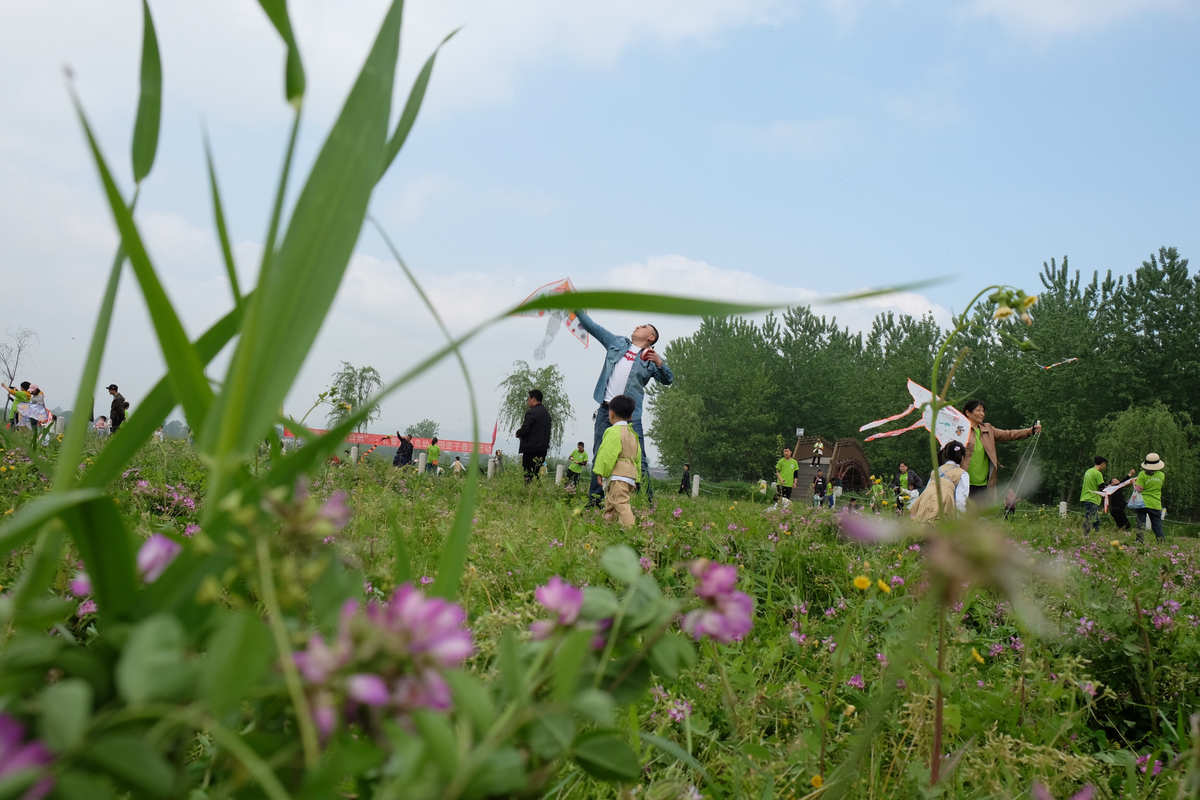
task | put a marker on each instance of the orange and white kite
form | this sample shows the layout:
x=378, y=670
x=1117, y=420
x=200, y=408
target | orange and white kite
x=555, y=316
x=952, y=425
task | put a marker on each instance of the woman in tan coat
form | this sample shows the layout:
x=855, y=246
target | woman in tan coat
x=981, y=463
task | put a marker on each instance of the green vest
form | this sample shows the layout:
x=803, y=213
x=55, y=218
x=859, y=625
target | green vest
x=979, y=466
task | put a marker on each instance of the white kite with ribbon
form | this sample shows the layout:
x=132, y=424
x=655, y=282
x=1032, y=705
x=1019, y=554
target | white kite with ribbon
x=952, y=425
x=1110, y=490
x=555, y=316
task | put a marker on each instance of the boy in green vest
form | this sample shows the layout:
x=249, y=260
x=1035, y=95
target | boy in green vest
x=1090, y=496
x=577, y=458
x=785, y=475
x=619, y=461
x=432, y=455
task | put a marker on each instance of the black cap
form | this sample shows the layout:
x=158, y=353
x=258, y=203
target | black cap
x=112, y=387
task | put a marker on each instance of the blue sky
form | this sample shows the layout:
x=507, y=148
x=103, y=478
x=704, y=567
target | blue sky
x=743, y=148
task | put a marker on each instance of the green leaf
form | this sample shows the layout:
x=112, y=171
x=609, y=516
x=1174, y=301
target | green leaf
x=239, y=654
x=25, y=522
x=595, y=705
x=599, y=602
x=222, y=229
x=183, y=366
x=295, y=295
x=511, y=675
x=154, y=408
x=106, y=547
x=551, y=734
x=66, y=709
x=670, y=654
x=621, y=562
x=439, y=738
x=276, y=11
x=133, y=761
x=149, y=112
x=675, y=751
x=568, y=661
x=502, y=774
x=472, y=698
x=152, y=665
x=82, y=786
x=606, y=756
x=416, y=96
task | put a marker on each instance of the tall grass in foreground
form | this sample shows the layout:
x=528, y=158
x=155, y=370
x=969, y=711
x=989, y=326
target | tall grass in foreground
x=244, y=636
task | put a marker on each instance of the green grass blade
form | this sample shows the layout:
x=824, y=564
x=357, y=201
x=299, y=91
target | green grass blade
x=222, y=229
x=183, y=366
x=412, y=106
x=866, y=294
x=106, y=547
x=149, y=113
x=690, y=306
x=77, y=427
x=454, y=553
x=295, y=294
x=23, y=525
x=154, y=408
x=293, y=77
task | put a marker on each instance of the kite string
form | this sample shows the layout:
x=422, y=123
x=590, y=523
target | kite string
x=1024, y=463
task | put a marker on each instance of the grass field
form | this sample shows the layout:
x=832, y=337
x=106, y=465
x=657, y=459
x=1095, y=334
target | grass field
x=831, y=674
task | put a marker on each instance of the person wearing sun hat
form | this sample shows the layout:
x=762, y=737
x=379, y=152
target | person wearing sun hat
x=1150, y=482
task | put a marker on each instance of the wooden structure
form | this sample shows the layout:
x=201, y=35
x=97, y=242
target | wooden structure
x=843, y=460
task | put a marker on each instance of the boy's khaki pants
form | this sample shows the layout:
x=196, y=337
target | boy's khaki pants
x=616, y=501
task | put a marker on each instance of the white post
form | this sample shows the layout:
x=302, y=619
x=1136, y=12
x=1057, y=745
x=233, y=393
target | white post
x=491, y=466
x=353, y=454
x=559, y=473
x=421, y=462
x=1062, y=508
x=60, y=425
x=695, y=486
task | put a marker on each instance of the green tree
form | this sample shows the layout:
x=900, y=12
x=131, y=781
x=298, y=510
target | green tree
x=1124, y=438
x=425, y=429
x=515, y=388
x=351, y=389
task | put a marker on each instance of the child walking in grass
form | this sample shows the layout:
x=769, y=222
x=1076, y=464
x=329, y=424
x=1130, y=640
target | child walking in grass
x=619, y=461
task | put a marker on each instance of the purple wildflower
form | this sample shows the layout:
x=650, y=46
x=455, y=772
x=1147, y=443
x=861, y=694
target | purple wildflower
x=18, y=755
x=367, y=689
x=191, y=530
x=897, y=581
x=882, y=659
x=680, y=710
x=646, y=563
x=335, y=511
x=426, y=580
x=712, y=579
x=561, y=598
x=856, y=681
x=81, y=585
x=677, y=513
x=870, y=530
x=155, y=555
x=85, y=608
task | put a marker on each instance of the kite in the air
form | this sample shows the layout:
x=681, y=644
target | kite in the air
x=556, y=316
x=951, y=426
x=1059, y=363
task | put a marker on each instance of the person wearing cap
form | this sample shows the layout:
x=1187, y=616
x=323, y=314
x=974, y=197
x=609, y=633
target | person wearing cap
x=629, y=364
x=1150, y=482
x=116, y=413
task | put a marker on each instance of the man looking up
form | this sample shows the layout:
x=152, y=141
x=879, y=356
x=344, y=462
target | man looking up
x=629, y=364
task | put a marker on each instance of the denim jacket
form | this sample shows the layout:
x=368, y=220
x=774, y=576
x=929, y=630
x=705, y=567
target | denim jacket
x=615, y=347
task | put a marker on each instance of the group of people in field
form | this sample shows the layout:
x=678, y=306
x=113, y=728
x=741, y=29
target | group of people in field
x=28, y=409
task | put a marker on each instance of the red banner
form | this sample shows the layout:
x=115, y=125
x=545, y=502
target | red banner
x=380, y=440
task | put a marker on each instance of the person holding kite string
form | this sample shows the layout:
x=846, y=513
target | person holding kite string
x=629, y=364
x=981, y=463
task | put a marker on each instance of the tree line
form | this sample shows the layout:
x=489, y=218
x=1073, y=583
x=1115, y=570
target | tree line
x=742, y=387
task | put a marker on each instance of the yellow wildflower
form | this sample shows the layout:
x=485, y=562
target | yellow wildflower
x=1003, y=312
x=1115, y=543
x=883, y=586
x=1028, y=301
x=817, y=781
x=866, y=565
x=849, y=710
x=975, y=655
x=862, y=583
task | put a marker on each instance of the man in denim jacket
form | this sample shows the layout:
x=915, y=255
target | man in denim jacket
x=629, y=364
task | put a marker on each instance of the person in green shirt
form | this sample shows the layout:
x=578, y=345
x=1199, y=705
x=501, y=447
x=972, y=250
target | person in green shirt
x=982, y=465
x=1090, y=496
x=18, y=396
x=577, y=459
x=432, y=454
x=1150, y=482
x=785, y=475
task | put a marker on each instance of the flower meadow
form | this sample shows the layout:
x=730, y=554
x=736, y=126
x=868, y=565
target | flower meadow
x=717, y=649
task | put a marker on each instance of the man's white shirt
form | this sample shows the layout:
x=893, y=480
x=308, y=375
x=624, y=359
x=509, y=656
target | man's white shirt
x=620, y=375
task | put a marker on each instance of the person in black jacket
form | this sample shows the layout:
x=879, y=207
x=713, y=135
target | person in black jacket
x=404, y=451
x=534, y=434
x=116, y=414
x=685, y=485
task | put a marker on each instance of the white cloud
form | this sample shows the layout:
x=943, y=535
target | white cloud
x=1053, y=17
x=808, y=138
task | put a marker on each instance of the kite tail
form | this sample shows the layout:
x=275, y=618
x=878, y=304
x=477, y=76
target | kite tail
x=887, y=434
x=886, y=420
